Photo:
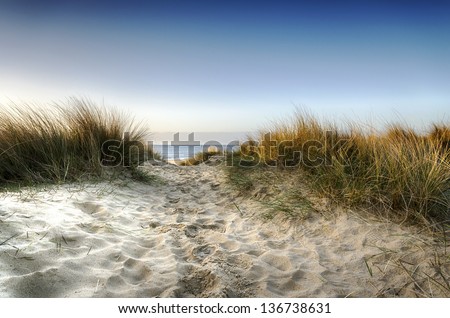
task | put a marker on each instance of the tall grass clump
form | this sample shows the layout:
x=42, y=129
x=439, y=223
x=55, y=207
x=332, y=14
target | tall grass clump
x=65, y=141
x=397, y=170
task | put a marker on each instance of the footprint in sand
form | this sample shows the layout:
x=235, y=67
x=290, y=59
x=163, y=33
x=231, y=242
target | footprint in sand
x=230, y=245
x=215, y=185
x=211, y=224
x=38, y=284
x=191, y=230
x=281, y=263
x=242, y=261
x=202, y=252
x=116, y=284
x=90, y=207
x=135, y=272
x=172, y=198
x=217, y=226
x=198, y=282
x=180, y=218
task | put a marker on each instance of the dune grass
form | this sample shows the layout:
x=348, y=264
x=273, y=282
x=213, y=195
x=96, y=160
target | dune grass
x=200, y=157
x=397, y=171
x=65, y=142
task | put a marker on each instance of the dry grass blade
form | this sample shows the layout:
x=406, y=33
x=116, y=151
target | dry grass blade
x=43, y=236
x=411, y=276
x=237, y=207
x=64, y=239
x=10, y=238
x=369, y=269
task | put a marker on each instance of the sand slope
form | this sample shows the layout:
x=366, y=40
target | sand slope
x=185, y=237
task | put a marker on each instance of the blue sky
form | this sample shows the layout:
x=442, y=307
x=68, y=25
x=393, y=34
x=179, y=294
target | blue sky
x=229, y=66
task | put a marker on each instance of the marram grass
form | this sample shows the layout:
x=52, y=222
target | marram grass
x=397, y=171
x=65, y=141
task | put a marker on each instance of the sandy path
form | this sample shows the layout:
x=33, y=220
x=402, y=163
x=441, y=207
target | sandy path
x=185, y=237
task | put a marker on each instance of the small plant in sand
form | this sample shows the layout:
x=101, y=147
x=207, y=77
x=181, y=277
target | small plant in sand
x=201, y=157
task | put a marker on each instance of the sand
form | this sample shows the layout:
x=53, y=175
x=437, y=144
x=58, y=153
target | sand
x=191, y=235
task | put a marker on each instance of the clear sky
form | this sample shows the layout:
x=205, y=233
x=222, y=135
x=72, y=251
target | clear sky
x=231, y=66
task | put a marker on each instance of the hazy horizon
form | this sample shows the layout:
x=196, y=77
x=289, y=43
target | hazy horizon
x=208, y=66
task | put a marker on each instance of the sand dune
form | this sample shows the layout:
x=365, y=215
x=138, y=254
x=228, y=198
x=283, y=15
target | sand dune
x=184, y=237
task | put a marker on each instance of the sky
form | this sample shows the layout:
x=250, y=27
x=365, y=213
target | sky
x=231, y=66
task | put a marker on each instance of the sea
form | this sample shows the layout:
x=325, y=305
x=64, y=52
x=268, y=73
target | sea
x=168, y=152
x=184, y=145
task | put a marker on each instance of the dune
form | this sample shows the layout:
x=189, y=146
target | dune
x=191, y=235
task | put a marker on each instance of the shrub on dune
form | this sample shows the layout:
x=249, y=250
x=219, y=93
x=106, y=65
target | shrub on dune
x=398, y=170
x=65, y=141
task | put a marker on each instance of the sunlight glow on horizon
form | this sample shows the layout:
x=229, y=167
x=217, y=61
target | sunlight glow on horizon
x=210, y=67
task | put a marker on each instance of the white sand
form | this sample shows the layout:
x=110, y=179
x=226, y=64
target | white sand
x=186, y=238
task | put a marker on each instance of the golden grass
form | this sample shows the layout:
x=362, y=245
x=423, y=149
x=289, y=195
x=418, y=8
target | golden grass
x=65, y=141
x=397, y=171
x=200, y=157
